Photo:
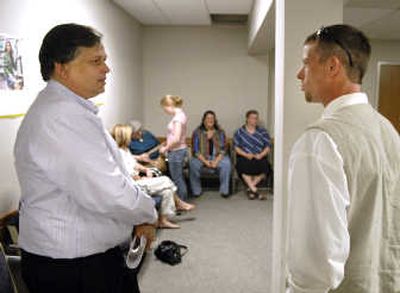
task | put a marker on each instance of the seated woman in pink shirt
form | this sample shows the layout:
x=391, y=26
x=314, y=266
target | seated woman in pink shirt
x=175, y=146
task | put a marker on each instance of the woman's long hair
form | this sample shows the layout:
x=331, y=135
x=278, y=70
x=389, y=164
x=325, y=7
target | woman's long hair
x=216, y=125
x=122, y=134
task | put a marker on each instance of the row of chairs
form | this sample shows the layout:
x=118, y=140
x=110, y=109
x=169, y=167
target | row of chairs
x=210, y=178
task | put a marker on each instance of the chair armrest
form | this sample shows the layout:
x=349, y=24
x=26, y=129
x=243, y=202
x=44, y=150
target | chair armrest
x=14, y=264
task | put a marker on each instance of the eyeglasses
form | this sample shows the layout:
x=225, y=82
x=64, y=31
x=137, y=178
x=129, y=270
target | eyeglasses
x=324, y=34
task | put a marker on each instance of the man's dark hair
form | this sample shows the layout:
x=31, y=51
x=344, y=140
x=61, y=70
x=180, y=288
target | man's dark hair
x=61, y=43
x=349, y=44
x=251, y=112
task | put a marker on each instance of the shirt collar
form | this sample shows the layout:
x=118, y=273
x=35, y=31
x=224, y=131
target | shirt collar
x=344, y=101
x=89, y=105
x=245, y=128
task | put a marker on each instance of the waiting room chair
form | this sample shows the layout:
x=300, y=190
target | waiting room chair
x=10, y=259
x=6, y=282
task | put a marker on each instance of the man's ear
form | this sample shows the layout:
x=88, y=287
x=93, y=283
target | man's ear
x=60, y=70
x=334, y=65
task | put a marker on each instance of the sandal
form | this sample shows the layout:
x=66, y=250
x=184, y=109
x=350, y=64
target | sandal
x=262, y=196
x=250, y=194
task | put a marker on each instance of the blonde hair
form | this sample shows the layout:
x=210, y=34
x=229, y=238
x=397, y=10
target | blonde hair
x=122, y=134
x=171, y=100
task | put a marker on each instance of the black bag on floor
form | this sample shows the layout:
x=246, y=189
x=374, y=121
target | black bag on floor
x=170, y=252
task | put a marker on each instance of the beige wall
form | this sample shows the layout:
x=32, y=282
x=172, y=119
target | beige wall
x=382, y=51
x=30, y=20
x=209, y=67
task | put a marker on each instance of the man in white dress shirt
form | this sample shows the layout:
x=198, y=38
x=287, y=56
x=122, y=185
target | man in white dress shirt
x=344, y=177
x=78, y=203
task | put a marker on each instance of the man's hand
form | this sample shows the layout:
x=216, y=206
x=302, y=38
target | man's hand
x=149, y=173
x=163, y=150
x=144, y=158
x=136, y=177
x=149, y=231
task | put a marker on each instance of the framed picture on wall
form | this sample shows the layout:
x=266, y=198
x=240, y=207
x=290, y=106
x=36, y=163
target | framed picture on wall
x=11, y=69
x=13, y=95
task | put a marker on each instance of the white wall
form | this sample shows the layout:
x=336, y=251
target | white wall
x=209, y=67
x=382, y=51
x=258, y=16
x=30, y=20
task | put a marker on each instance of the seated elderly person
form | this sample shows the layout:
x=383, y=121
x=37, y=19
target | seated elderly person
x=209, y=147
x=162, y=186
x=144, y=146
x=252, y=144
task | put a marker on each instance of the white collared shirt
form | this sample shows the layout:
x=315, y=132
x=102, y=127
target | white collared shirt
x=77, y=198
x=318, y=239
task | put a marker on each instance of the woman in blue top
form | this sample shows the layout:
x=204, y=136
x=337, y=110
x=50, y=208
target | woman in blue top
x=252, y=145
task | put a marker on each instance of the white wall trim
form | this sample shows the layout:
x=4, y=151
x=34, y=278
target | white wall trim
x=279, y=232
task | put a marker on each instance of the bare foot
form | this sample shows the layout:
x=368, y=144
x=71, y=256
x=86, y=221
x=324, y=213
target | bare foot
x=165, y=224
x=184, y=206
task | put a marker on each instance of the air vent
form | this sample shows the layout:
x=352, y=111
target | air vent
x=229, y=19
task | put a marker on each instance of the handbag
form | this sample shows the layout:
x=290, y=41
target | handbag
x=156, y=172
x=170, y=252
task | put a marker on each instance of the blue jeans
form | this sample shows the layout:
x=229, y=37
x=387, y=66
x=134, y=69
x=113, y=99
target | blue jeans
x=223, y=169
x=176, y=161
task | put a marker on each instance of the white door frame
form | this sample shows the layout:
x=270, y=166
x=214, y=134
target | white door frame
x=279, y=215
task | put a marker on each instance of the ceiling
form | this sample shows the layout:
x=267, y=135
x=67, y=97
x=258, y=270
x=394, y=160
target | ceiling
x=379, y=19
x=182, y=12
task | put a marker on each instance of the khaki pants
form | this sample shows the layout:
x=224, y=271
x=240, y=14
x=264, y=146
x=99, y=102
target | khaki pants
x=164, y=187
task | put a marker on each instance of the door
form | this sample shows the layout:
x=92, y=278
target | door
x=389, y=93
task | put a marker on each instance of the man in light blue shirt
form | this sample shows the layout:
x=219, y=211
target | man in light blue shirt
x=78, y=203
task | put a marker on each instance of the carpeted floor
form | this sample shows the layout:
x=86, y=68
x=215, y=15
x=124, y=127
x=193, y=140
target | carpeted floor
x=229, y=244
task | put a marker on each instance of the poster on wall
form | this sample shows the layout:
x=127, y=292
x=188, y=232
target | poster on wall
x=11, y=69
x=13, y=96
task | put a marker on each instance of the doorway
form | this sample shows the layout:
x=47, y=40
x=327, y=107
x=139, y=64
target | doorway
x=389, y=92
